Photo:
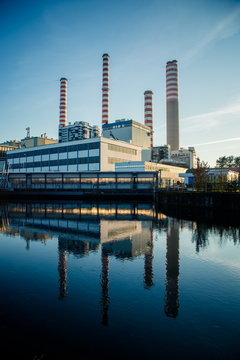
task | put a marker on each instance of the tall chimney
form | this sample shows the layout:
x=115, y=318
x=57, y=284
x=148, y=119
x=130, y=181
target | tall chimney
x=105, y=90
x=148, y=113
x=172, y=104
x=63, y=102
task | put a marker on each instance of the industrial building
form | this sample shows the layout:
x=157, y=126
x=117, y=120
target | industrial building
x=29, y=141
x=168, y=174
x=97, y=154
x=125, y=141
x=3, y=156
x=186, y=157
x=172, y=104
x=34, y=141
x=160, y=152
x=12, y=144
x=129, y=131
x=80, y=130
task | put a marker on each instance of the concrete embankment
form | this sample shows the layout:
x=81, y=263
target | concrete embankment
x=206, y=206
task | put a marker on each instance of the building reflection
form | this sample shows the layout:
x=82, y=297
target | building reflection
x=124, y=231
x=172, y=269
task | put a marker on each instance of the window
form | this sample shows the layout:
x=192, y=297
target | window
x=94, y=159
x=94, y=145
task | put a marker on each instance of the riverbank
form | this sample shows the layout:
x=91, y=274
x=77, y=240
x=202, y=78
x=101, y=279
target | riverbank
x=201, y=206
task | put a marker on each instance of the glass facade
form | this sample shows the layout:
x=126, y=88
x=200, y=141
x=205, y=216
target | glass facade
x=52, y=158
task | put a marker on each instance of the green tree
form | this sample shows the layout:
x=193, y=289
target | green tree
x=230, y=161
x=221, y=162
x=226, y=161
x=237, y=161
x=201, y=174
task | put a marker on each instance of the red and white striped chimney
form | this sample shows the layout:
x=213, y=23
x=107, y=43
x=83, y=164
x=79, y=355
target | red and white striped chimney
x=172, y=104
x=63, y=102
x=148, y=113
x=105, y=90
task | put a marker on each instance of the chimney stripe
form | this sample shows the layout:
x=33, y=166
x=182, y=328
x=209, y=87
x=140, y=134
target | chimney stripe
x=105, y=89
x=148, y=113
x=63, y=102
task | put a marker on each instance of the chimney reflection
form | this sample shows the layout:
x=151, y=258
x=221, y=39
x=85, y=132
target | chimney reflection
x=172, y=269
x=62, y=270
x=105, y=287
x=148, y=264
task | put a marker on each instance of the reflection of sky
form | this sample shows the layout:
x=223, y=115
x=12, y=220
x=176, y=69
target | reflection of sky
x=220, y=251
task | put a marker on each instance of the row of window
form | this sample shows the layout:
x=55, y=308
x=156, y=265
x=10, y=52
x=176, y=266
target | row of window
x=78, y=180
x=122, y=149
x=39, y=164
x=55, y=150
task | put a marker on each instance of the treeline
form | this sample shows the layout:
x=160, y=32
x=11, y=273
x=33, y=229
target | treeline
x=228, y=162
x=219, y=182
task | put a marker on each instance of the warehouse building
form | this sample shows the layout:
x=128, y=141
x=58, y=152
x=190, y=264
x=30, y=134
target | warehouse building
x=97, y=154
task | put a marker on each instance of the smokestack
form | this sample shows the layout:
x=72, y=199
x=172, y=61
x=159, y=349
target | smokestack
x=63, y=102
x=148, y=113
x=105, y=90
x=172, y=104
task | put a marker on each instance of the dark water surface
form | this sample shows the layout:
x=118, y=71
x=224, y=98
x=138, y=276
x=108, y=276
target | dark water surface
x=116, y=281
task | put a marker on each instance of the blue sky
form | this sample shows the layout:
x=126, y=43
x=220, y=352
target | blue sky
x=41, y=41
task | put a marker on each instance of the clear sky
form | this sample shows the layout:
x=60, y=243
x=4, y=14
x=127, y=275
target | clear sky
x=43, y=40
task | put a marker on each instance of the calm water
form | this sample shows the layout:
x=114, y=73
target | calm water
x=118, y=281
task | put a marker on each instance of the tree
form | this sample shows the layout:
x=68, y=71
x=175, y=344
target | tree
x=237, y=161
x=227, y=161
x=230, y=161
x=221, y=162
x=201, y=174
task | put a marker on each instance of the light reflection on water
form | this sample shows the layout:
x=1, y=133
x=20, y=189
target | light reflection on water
x=132, y=281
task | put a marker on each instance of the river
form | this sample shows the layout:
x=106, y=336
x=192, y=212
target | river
x=116, y=281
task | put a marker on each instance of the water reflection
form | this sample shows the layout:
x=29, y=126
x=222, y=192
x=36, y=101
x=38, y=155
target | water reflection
x=105, y=287
x=62, y=270
x=124, y=231
x=172, y=269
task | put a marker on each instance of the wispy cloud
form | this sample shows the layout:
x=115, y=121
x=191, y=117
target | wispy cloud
x=227, y=27
x=213, y=118
x=216, y=142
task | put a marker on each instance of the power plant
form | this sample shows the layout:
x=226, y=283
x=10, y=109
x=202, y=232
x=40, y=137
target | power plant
x=84, y=147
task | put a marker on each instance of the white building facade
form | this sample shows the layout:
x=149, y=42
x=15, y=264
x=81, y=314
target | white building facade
x=97, y=154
